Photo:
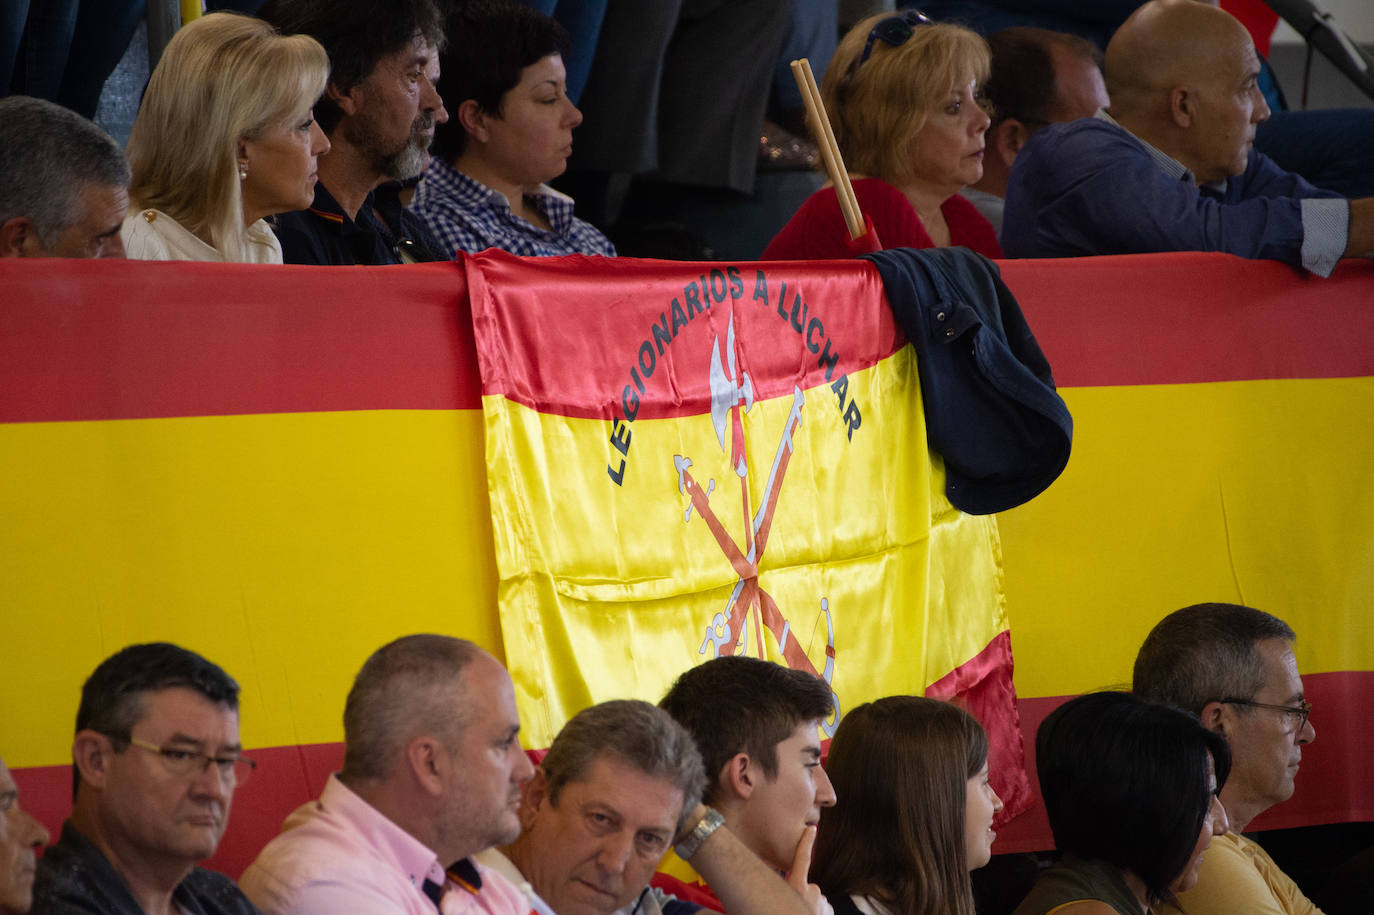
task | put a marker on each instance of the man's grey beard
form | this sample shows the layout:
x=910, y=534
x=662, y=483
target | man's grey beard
x=411, y=160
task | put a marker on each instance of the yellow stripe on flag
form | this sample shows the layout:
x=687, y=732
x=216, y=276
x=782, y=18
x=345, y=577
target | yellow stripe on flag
x=626, y=583
x=287, y=547
x=1177, y=494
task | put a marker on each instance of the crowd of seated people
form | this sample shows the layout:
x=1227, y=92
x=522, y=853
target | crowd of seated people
x=438, y=808
x=1171, y=166
x=441, y=811
x=1159, y=157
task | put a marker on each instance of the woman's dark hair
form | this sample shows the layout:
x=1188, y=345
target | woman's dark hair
x=1125, y=781
x=489, y=43
x=900, y=767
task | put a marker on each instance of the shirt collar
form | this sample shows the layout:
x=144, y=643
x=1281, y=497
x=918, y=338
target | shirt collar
x=410, y=855
x=556, y=206
x=464, y=873
x=327, y=208
x=1167, y=164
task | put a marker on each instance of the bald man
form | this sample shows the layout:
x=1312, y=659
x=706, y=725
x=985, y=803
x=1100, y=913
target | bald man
x=1171, y=165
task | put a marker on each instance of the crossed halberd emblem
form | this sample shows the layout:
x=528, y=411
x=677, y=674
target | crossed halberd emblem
x=732, y=395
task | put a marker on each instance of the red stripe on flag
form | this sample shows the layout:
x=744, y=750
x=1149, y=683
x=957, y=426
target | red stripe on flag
x=983, y=686
x=90, y=340
x=120, y=340
x=638, y=326
x=1187, y=318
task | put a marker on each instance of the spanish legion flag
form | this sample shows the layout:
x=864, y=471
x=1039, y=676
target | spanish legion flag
x=686, y=461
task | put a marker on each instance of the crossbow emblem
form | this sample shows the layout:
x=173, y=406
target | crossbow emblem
x=732, y=395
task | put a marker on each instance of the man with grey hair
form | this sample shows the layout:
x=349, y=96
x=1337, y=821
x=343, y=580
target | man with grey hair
x=1234, y=667
x=621, y=780
x=432, y=772
x=63, y=183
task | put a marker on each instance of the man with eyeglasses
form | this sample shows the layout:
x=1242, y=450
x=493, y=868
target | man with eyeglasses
x=156, y=760
x=1234, y=667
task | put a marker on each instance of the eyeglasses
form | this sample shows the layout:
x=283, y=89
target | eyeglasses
x=1303, y=710
x=233, y=770
x=894, y=31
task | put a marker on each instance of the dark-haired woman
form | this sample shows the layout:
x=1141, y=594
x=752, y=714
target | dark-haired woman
x=1131, y=792
x=915, y=810
x=509, y=131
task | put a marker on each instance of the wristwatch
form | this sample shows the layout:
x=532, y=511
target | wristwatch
x=709, y=823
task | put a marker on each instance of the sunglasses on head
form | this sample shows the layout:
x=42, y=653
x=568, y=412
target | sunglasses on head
x=894, y=31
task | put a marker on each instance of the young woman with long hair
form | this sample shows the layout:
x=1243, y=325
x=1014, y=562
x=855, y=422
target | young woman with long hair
x=915, y=810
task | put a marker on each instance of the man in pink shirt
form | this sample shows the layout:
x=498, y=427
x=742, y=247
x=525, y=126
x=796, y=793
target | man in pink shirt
x=432, y=775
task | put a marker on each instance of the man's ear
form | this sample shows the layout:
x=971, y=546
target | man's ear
x=1213, y=717
x=427, y=760
x=1008, y=138
x=533, y=794
x=1181, y=106
x=349, y=102
x=474, y=120
x=739, y=776
x=91, y=752
x=18, y=238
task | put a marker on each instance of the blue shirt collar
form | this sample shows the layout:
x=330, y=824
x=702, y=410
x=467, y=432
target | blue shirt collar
x=1166, y=163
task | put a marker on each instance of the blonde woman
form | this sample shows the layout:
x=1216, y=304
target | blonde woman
x=902, y=96
x=224, y=138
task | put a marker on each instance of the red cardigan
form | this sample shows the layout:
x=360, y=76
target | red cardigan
x=817, y=230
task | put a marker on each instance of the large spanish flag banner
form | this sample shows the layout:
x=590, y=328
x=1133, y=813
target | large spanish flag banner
x=284, y=468
x=688, y=461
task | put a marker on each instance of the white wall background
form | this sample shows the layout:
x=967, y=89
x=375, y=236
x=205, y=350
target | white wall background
x=1356, y=17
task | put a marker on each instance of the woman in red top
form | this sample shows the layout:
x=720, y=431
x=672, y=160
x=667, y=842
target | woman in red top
x=901, y=93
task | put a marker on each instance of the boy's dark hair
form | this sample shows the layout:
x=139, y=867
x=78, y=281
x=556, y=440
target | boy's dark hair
x=739, y=704
x=112, y=696
x=356, y=34
x=1125, y=781
x=490, y=42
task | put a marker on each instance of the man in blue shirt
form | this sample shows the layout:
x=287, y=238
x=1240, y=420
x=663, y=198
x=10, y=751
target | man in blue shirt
x=1172, y=167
